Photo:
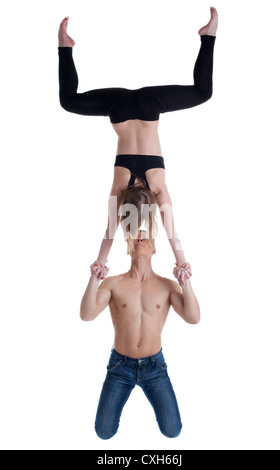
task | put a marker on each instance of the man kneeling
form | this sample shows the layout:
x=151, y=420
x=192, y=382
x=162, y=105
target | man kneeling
x=139, y=302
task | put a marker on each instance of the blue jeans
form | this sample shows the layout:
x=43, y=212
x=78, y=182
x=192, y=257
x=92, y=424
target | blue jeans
x=151, y=375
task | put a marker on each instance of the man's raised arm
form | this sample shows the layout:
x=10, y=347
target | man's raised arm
x=184, y=302
x=95, y=299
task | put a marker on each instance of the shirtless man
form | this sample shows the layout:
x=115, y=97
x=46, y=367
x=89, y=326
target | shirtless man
x=139, y=302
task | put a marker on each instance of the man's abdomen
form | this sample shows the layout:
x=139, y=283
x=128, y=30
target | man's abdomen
x=138, y=346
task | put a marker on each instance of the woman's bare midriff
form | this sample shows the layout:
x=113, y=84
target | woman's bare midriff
x=138, y=138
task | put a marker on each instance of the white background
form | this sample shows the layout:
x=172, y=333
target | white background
x=223, y=175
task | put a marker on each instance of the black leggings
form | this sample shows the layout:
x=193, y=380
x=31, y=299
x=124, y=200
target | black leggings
x=145, y=104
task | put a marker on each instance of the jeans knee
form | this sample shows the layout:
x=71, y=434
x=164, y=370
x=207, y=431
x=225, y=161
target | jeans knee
x=105, y=433
x=172, y=433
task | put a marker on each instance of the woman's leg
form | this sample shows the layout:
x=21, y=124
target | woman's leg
x=179, y=97
x=203, y=71
x=68, y=77
x=91, y=103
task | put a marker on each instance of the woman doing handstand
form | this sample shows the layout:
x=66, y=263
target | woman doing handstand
x=134, y=115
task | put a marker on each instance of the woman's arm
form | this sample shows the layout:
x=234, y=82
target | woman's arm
x=156, y=180
x=113, y=222
x=166, y=211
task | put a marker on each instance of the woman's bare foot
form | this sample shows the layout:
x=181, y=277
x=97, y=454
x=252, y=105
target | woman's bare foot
x=63, y=38
x=211, y=28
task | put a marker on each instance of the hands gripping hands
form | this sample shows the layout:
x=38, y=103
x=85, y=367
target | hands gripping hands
x=99, y=270
x=182, y=273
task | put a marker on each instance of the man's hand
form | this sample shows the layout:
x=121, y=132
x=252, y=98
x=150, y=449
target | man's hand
x=99, y=270
x=182, y=273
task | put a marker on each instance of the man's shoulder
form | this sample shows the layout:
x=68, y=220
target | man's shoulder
x=169, y=283
x=111, y=280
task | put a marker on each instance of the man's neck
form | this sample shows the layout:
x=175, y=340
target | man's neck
x=141, y=269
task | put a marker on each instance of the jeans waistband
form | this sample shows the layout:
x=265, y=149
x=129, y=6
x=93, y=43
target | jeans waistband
x=136, y=361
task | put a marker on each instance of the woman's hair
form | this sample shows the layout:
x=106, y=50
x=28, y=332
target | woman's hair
x=144, y=212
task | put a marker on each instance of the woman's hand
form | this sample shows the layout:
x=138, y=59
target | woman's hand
x=182, y=273
x=99, y=270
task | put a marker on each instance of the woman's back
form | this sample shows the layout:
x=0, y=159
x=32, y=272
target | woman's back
x=138, y=138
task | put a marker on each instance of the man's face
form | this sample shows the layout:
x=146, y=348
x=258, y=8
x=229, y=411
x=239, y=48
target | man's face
x=141, y=247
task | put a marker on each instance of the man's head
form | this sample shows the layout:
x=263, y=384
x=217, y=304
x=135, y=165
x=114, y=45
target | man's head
x=141, y=247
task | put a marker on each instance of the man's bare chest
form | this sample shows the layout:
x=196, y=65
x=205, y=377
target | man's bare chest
x=149, y=297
